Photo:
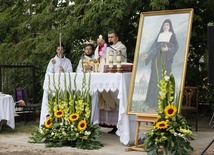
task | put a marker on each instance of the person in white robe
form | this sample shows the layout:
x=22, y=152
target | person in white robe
x=59, y=63
x=108, y=101
x=115, y=46
x=84, y=64
x=100, y=52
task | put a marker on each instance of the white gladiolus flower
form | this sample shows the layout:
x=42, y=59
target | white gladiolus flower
x=166, y=78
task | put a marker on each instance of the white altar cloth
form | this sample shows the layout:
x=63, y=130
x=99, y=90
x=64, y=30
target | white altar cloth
x=7, y=110
x=99, y=81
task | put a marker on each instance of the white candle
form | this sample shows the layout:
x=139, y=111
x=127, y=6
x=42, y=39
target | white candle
x=110, y=65
x=110, y=58
x=118, y=65
x=118, y=58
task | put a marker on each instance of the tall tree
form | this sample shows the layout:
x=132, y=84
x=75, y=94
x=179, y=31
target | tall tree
x=29, y=30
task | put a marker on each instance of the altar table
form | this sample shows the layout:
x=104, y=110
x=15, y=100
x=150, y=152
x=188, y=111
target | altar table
x=7, y=109
x=99, y=82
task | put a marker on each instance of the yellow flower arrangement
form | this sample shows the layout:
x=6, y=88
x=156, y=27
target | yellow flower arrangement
x=170, y=110
x=48, y=122
x=161, y=125
x=82, y=125
x=74, y=117
x=170, y=130
x=58, y=113
x=69, y=121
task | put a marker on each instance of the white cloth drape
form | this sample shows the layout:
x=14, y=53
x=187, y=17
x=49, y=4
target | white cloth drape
x=99, y=82
x=7, y=110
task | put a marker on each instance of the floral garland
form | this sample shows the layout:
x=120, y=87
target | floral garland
x=68, y=123
x=170, y=130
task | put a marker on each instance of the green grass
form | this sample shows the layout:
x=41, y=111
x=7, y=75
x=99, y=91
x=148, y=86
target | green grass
x=20, y=127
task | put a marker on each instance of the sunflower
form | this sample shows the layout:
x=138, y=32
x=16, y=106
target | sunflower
x=58, y=113
x=161, y=125
x=48, y=122
x=82, y=125
x=74, y=117
x=170, y=110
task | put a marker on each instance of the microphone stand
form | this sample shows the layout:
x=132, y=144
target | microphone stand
x=207, y=147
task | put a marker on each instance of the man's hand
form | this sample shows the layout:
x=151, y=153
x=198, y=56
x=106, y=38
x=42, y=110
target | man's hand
x=61, y=68
x=86, y=66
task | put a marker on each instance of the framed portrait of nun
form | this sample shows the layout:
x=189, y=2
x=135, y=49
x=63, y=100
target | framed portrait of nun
x=163, y=40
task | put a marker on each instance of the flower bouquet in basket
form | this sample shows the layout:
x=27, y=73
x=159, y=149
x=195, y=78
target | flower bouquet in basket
x=170, y=131
x=69, y=123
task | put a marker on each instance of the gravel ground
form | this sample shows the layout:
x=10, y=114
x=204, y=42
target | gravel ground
x=16, y=144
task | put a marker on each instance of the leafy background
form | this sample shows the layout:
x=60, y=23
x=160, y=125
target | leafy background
x=29, y=32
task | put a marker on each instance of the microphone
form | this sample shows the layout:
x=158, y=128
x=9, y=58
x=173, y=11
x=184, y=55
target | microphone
x=110, y=45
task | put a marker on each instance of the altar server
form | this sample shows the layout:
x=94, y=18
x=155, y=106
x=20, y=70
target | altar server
x=85, y=61
x=59, y=63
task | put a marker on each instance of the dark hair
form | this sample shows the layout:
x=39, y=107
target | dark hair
x=92, y=46
x=58, y=45
x=105, y=38
x=113, y=31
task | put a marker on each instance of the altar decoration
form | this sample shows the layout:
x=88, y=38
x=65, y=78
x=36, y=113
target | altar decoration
x=170, y=131
x=111, y=56
x=90, y=65
x=68, y=122
x=119, y=61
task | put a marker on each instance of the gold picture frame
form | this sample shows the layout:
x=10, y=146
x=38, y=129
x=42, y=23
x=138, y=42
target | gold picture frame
x=164, y=34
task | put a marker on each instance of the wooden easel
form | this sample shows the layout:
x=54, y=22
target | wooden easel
x=148, y=120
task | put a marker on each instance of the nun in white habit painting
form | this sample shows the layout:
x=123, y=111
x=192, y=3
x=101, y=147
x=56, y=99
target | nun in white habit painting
x=163, y=50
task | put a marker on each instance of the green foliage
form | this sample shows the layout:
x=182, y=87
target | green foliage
x=69, y=120
x=170, y=130
x=20, y=128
